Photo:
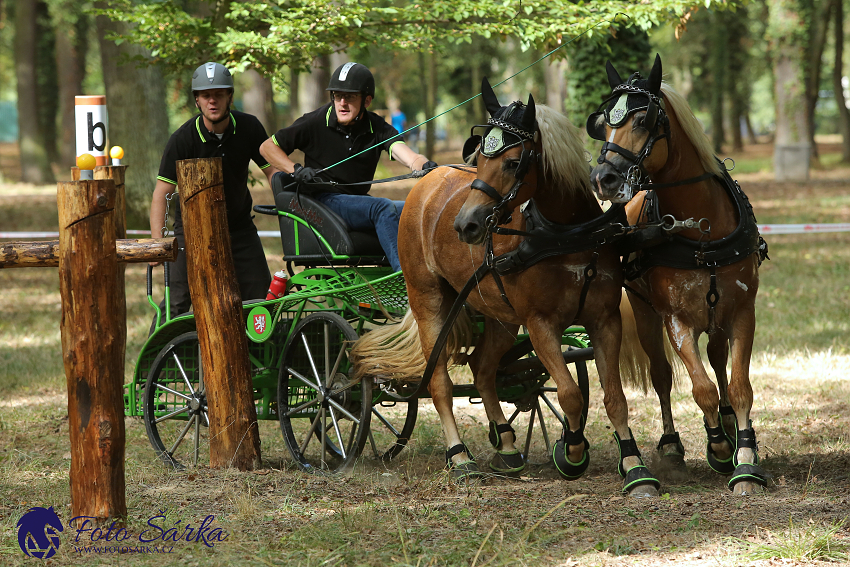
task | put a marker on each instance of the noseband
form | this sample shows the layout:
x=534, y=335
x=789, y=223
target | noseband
x=500, y=214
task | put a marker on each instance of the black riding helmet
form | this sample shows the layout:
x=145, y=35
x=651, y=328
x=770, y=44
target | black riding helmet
x=352, y=78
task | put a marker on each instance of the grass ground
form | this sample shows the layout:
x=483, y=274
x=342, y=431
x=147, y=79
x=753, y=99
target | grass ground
x=406, y=512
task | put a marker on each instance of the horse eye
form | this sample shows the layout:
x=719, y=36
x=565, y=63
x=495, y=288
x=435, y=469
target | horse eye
x=511, y=163
x=639, y=121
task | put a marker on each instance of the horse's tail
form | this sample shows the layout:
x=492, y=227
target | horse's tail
x=634, y=362
x=395, y=351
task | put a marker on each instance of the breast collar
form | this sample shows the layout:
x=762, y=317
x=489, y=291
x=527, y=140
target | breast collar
x=544, y=238
x=678, y=252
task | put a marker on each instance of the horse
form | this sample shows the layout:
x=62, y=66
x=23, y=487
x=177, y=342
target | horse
x=529, y=154
x=702, y=279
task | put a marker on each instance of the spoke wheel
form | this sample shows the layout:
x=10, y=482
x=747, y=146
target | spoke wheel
x=175, y=403
x=324, y=416
x=392, y=425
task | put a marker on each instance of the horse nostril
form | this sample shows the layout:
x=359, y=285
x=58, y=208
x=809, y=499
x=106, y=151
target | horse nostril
x=610, y=180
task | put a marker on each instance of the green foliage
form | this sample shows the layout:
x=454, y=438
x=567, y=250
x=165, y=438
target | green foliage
x=270, y=35
x=628, y=51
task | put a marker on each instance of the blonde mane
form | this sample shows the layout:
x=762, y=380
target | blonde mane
x=691, y=127
x=564, y=157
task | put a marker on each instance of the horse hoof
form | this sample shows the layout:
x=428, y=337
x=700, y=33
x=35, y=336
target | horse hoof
x=644, y=491
x=465, y=473
x=565, y=467
x=671, y=467
x=747, y=480
x=507, y=462
x=639, y=482
x=720, y=466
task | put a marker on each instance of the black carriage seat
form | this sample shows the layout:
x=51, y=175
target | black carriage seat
x=302, y=246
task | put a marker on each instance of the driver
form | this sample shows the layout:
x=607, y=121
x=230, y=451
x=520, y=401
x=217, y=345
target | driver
x=235, y=137
x=340, y=129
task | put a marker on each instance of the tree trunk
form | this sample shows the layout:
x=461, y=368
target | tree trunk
x=258, y=99
x=234, y=437
x=35, y=166
x=838, y=84
x=792, y=150
x=294, y=107
x=92, y=348
x=313, y=93
x=136, y=98
x=71, y=47
x=738, y=85
x=430, y=92
x=556, y=86
x=718, y=57
x=48, y=88
x=818, y=26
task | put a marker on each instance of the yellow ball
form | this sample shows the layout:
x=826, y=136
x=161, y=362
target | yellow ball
x=117, y=152
x=86, y=161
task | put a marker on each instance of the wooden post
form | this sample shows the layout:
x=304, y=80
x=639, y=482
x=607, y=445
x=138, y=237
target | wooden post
x=116, y=174
x=92, y=349
x=234, y=437
x=45, y=253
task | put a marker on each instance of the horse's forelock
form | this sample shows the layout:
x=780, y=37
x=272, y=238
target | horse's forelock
x=691, y=128
x=564, y=158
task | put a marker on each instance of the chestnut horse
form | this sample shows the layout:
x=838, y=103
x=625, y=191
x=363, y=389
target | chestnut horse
x=533, y=155
x=703, y=279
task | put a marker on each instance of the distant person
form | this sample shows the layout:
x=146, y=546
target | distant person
x=398, y=120
x=334, y=132
x=235, y=137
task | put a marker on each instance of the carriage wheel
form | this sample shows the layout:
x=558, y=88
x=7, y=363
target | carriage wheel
x=538, y=412
x=324, y=416
x=392, y=424
x=175, y=403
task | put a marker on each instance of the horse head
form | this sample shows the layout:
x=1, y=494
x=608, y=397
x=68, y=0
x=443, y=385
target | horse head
x=508, y=152
x=633, y=124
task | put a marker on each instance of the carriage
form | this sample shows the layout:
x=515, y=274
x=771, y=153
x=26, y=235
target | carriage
x=340, y=287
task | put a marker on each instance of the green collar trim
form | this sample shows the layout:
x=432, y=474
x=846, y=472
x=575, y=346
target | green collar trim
x=198, y=126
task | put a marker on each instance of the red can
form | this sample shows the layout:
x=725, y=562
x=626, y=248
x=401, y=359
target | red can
x=277, y=288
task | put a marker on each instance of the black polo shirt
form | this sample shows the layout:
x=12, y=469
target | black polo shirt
x=325, y=142
x=237, y=147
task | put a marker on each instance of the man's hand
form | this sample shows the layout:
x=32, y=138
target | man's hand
x=429, y=165
x=303, y=174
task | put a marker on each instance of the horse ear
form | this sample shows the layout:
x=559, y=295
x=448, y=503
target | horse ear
x=614, y=79
x=655, y=76
x=529, y=117
x=491, y=103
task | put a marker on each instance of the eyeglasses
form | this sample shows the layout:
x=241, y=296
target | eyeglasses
x=348, y=97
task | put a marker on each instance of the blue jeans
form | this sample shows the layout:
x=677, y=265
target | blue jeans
x=364, y=212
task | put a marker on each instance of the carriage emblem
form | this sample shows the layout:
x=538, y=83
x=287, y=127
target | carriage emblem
x=259, y=324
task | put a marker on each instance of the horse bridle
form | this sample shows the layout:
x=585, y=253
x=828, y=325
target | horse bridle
x=500, y=214
x=656, y=122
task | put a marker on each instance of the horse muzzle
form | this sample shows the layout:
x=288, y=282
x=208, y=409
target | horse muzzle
x=471, y=225
x=610, y=185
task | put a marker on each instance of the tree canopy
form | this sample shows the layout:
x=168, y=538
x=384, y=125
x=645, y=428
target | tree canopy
x=290, y=33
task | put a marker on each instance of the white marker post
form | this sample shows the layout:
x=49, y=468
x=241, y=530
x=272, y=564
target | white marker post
x=91, y=126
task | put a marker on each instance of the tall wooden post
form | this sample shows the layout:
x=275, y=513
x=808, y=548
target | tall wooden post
x=234, y=437
x=116, y=174
x=92, y=349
